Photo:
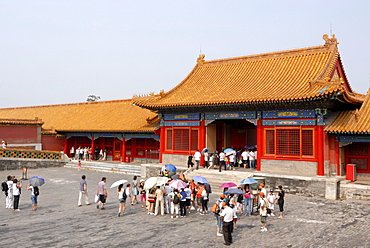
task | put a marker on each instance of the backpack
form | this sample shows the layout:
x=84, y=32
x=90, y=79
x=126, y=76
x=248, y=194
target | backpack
x=36, y=191
x=215, y=208
x=124, y=195
x=176, y=199
x=4, y=187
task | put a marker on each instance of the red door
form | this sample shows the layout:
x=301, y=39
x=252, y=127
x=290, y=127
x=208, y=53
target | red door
x=359, y=154
x=117, y=150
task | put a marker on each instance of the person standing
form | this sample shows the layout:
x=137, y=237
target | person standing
x=102, y=192
x=9, y=198
x=34, y=195
x=142, y=193
x=248, y=201
x=159, y=200
x=72, y=152
x=263, y=211
x=197, y=157
x=227, y=216
x=175, y=199
x=134, y=191
x=17, y=186
x=271, y=199
x=83, y=192
x=244, y=157
x=222, y=161
x=122, y=200
x=183, y=203
x=252, y=159
x=190, y=164
x=280, y=200
x=232, y=161
x=206, y=159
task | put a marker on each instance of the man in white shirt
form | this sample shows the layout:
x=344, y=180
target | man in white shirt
x=252, y=159
x=263, y=212
x=9, y=197
x=245, y=158
x=197, y=156
x=206, y=158
x=227, y=216
x=222, y=161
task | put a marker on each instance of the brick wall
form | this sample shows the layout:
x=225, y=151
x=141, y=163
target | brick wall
x=286, y=167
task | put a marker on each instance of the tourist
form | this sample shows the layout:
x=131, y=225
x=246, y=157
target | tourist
x=175, y=199
x=263, y=211
x=235, y=217
x=128, y=191
x=262, y=188
x=192, y=187
x=232, y=161
x=204, y=200
x=142, y=193
x=280, y=200
x=9, y=197
x=244, y=156
x=17, y=186
x=3, y=144
x=34, y=195
x=72, y=152
x=248, y=201
x=159, y=201
x=190, y=164
x=197, y=157
x=167, y=206
x=102, y=192
x=183, y=203
x=271, y=199
x=151, y=200
x=188, y=198
x=239, y=202
x=122, y=200
x=134, y=191
x=216, y=211
x=252, y=159
x=222, y=161
x=81, y=154
x=79, y=165
x=206, y=159
x=83, y=192
x=227, y=215
x=199, y=196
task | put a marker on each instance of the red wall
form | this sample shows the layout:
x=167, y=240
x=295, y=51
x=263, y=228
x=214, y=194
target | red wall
x=50, y=143
x=19, y=134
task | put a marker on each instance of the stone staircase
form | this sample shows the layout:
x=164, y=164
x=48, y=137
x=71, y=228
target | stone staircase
x=107, y=166
x=216, y=178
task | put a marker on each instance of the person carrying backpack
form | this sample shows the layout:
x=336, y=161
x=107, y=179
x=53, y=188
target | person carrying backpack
x=216, y=209
x=175, y=199
x=35, y=192
x=122, y=196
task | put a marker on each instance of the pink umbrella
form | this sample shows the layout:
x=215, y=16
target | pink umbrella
x=228, y=185
x=177, y=184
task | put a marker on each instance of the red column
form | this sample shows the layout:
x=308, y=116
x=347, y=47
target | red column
x=202, y=139
x=123, y=150
x=65, y=146
x=162, y=143
x=93, y=147
x=320, y=150
x=260, y=144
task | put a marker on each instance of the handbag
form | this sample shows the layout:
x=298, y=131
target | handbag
x=96, y=199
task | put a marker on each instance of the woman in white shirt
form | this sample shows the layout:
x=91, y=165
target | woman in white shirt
x=16, y=193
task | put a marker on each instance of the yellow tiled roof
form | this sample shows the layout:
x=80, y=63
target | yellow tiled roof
x=118, y=115
x=21, y=122
x=290, y=75
x=354, y=121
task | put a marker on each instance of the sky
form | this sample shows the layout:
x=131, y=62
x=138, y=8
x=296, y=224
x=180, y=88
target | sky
x=62, y=51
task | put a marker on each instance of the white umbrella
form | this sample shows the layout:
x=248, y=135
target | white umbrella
x=162, y=180
x=117, y=183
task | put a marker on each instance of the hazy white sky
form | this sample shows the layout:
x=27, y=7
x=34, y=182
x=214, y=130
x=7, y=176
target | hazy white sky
x=61, y=51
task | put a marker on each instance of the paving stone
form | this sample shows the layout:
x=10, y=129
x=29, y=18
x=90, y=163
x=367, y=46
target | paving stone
x=309, y=221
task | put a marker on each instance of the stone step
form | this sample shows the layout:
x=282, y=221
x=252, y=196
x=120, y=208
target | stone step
x=113, y=168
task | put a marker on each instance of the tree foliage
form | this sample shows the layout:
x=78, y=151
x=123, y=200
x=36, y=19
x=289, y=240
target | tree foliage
x=92, y=98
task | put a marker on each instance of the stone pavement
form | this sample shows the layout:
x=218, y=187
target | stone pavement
x=58, y=222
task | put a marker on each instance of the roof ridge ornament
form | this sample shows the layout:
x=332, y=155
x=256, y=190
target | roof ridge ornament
x=200, y=59
x=330, y=41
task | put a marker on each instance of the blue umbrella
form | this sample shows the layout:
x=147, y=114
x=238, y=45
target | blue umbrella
x=234, y=191
x=36, y=181
x=200, y=179
x=228, y=150
x=205, y=150
x=171, y=167
x=248, y=181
